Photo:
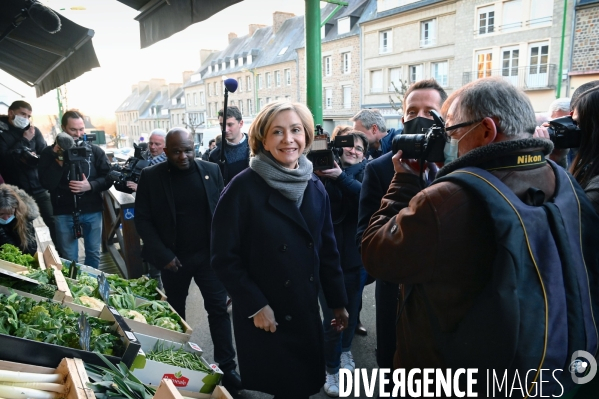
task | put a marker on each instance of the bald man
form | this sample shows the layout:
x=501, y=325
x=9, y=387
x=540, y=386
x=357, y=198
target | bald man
x=173, y=213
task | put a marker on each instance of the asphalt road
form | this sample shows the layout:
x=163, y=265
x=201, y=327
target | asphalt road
x=363, y=348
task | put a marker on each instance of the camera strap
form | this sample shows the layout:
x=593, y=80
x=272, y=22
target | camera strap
x=525, y=159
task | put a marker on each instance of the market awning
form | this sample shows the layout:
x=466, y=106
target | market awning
x=159, y=19
x=39, y=58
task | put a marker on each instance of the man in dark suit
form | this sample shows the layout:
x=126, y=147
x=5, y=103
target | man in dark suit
x=173, y=214
x=419, y=99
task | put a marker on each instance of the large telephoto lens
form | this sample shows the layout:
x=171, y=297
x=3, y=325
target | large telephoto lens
x=411, y=145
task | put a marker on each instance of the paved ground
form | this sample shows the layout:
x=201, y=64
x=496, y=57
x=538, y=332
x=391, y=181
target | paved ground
x=363, y=347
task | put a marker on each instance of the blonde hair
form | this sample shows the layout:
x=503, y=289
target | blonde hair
x=10, y=199
x=341, y=130
x=259, y=128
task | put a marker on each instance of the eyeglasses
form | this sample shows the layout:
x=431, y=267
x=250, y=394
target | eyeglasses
x=459, y=125
x=356, y=149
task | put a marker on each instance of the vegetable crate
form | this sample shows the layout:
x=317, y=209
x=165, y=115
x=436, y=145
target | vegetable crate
x=152, y=372
x=167, y=390
x=62, y=294
x=47, y=354
x=74, y=376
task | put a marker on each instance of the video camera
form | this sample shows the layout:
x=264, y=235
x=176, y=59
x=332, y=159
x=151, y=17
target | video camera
x=81, y=150
x=130, y=171
x=564, y=133
x=428, y=146
x=324, y=153
x=27, y=156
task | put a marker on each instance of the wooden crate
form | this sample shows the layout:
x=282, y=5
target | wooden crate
x=73, y=370
x=63, y=294
x=167, y=390
x=51, y=257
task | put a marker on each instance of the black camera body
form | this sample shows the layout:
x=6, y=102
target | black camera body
x=324, y=153
x=130, y=171
x=82, y=149
x=427, y=146
x=27, y=156
x=564, y=133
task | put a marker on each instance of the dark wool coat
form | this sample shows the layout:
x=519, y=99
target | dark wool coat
x=266, y=251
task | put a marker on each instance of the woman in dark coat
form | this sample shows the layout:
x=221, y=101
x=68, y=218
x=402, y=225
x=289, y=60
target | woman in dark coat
x=17, y=212
x=273, y=247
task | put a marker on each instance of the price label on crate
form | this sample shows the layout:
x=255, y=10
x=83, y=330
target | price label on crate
x=84, y=332
x=195, y=347
x=104, y=288
x=130, y=335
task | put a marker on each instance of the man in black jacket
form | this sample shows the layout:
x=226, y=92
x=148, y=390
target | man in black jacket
x=173, y=214
x=20, y=145
x=81, y=193
x=237, y=150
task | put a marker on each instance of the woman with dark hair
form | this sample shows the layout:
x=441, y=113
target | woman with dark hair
x=17, y=212
x=585, y=167
x=273, y=248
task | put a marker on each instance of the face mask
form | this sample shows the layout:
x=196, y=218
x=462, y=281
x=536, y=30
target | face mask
x=451, y=149
x=7, y=221
x=417, y=125
x=20, y=122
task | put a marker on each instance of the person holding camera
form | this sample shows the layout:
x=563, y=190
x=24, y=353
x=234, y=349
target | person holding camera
x=343, y=184
x=155, y=152
x=75, y=171
x=493, y=256
x=21, y=143
x=18, y=210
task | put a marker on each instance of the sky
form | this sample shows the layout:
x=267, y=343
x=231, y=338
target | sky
x=122, y=62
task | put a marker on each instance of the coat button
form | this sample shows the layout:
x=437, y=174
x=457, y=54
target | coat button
x=283, y=247
x=310, y=245
x=288, y=318
x=287, y=283
x=311, y=278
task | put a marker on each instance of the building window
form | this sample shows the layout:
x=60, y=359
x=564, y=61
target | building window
x=328, y=98
x=439, y=72
x=326, y=66
x=261, y=103
x=216, y=88
x=427, y=33
x=248, y=83
x=376, y=81
x=536, y=75
x=385, y=41
x=240, y=84
x=415, y=73
x=241, y=106
x=268, y=80
x=268, y=100
x=202, y=98
x=484, y=63
x=188, y=99
x=343, y=25
x=486, y=20
x=346, y=62
x=195, y=98
x=278, y=78
x=346, y=97
x=250, y=109
x=541, y=13
x=510, y=61
x=395, y=78
x=260, y=82
x=288, y=77
x=512, y=16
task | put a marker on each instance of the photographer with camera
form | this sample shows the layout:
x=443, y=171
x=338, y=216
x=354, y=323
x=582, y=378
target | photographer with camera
x=155, y=153
x=493, y=256
x=75, y=171
x=343, y=183
x=20, y=146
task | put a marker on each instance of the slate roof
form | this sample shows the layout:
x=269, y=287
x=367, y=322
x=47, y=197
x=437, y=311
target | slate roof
x=354, y=10
x=180, y=92
x=137, y=101
x=400, y=9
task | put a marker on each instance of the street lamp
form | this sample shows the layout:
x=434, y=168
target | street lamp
x=253, y=72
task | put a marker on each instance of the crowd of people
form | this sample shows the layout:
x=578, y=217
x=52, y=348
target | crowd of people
x=477, y=261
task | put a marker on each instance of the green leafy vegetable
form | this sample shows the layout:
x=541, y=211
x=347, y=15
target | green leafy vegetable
x=13, y=254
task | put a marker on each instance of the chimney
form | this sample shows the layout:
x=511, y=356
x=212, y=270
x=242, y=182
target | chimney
x=232, y=35
x=187, y=76
x=255, y=27
x=278, y=18
x=156, y=84
x=204, y=54
x=134, y=87
x=143, y=85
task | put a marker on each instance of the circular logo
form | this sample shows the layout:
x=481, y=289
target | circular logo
x=583, y=367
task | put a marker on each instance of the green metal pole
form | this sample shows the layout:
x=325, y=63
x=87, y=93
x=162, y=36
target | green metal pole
x=561, y=52
x=313, y=60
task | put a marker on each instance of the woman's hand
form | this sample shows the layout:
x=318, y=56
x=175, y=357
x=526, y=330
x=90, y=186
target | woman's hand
x=330, y=173
x=340, y=320
x=265, y=319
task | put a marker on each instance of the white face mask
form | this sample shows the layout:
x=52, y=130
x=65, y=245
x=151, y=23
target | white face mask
x=20, y=121
x=451, y=149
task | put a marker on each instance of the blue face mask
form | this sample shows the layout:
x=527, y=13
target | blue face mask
x=451, y=149
x=7, y=221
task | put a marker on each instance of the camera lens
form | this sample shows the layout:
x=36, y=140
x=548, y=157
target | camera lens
x=411, y=145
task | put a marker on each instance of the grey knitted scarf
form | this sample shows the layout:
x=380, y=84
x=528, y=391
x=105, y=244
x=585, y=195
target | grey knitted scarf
x=290, y=182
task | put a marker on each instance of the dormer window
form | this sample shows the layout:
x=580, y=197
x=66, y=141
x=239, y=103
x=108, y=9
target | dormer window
x=240, y=61
x=224, y=66
x=209, y=68
x=249, y=59
x=232, y=64
x=343, y=25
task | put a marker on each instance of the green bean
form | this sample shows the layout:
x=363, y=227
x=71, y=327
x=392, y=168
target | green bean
x=178, y=357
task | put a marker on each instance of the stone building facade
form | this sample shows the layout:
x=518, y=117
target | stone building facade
x=585, y=52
